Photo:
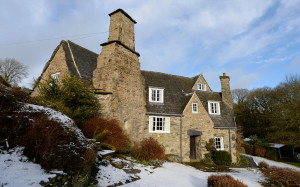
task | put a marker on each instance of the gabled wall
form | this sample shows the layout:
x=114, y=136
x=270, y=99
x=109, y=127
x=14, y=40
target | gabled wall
x=201, y=80
x=57, y=64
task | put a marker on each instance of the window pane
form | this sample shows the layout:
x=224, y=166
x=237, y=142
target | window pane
x=154, y=123
x=157, y=95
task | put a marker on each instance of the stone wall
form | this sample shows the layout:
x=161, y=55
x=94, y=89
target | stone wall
x=200, y=121
x=57, y=64
x=118, y=72
x=201, y=80
x=226, y=92
x=121, y=29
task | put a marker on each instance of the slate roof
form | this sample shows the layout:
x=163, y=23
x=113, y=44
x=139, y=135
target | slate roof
x=175, y=89
x=226, y=118
x=177, y=93
x=85, y=60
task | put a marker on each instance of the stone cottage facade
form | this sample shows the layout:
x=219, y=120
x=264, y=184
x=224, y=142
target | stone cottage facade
x=182, y=113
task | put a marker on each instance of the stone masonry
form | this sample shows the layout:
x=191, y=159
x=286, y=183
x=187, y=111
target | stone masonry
x=123, y=92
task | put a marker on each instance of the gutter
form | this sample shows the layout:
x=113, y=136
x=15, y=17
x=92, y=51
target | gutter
x=181, y=138
x=163, y=114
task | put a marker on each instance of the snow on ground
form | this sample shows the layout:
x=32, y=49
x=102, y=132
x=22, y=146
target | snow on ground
x=16, y=170
x=109, y=175
x=175, y=174
x=271, y=162
x=105, y=152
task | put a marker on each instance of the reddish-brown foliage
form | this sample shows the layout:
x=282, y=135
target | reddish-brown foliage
x=280, y=176
x=55, y=147
x=148, y=149
x=248, y=148
x=223, y=180
x=260, y=151
x=117, y=137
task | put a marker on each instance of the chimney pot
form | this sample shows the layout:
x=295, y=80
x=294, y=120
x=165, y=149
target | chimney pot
x=224, y=74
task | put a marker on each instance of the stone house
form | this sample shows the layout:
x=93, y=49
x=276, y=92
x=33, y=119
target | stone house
x=182, y=113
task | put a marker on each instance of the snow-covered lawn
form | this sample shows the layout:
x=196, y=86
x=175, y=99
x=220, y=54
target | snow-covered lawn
x=175, y=174
x=16, y=170
x=272, y=163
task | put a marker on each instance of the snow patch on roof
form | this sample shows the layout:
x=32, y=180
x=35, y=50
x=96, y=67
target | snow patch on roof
x=275, y=145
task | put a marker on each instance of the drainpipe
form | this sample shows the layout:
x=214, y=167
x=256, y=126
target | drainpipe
x=229, y=141
x=181, y=138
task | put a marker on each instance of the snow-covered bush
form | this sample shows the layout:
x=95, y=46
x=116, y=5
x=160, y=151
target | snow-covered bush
x=50, y=137
x=57, y=145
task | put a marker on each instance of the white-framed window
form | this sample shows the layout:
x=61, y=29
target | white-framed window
x=55, y=76
x=214, y=107
x=159, y=124
x=201, y=86
x=156, y=95
x=194, y=107
x=219, y=143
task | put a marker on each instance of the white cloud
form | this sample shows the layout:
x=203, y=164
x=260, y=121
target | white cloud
x=182, y=37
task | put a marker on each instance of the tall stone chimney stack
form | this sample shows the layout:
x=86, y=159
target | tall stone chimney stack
x=226, y=93
x=122, y=28
x=118, y=76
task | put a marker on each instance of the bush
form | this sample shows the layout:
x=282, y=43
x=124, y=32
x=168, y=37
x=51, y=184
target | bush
x=13, y=123
x=248, y=148
x=71, y=97
x=223, y=180
x=271, y=154
x=55, y=146
x=243, y=161
x=108, y=132
x=263, y=165
x=281, y=176
x=148, y=149
x=260, y=151
x=222, y=158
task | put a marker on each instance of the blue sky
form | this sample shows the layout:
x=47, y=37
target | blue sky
x=255, y=42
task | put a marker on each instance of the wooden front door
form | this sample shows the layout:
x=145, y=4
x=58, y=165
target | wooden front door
x=193, y=147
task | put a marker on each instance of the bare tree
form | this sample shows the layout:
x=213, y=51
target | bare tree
x=239, y=95
x=12, y=71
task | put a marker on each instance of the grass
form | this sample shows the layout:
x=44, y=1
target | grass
x=297, y=164
x=208, y=167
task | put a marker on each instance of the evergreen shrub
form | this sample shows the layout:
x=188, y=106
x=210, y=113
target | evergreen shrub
x=222, y=158
x=71, y=97
x=271, y=154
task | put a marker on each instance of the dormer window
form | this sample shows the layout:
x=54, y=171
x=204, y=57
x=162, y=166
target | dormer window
x=214, y=107
x=202, y=87
x=156, y=95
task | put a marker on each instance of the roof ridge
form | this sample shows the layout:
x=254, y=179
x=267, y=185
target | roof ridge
x=169, y=74
x=82, y=47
